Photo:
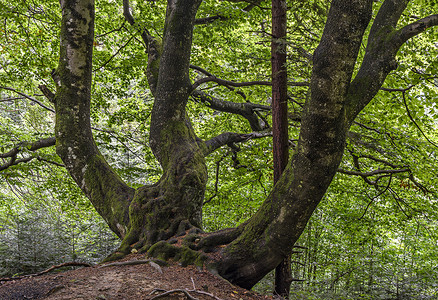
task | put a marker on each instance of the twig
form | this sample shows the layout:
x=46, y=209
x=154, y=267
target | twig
x=115, y=54
x=375, y=197
x=28, y=97
x=216, y=183
x=372, y=173
x=415, y=123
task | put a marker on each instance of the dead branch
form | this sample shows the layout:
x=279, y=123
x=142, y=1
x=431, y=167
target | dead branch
x=67, y=264
x=185, y=292
x=135, y=262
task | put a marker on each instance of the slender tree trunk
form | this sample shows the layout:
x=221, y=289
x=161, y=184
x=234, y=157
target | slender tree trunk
x=283, y=276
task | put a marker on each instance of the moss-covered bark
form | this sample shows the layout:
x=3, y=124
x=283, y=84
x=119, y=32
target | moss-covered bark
x=74, y=141
x=152, y=213
x=174, y=204
x=146, y=217
x=271, y=233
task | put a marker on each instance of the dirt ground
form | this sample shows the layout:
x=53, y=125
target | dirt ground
x=127, y=280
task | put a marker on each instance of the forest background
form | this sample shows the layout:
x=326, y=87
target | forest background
x=373, y=235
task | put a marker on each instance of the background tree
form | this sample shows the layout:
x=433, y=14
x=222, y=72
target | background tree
x=280, y=138
x=345, y=78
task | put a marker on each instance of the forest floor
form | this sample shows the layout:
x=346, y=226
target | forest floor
x=132, y=278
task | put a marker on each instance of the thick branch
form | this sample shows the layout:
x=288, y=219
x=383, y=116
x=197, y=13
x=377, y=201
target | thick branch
x=384, y=42
x=209, y=20
x=43, y=143
x=316, y=160
x=47, y=92
x=387, y=18
x=246, y=110
x=414, y=29
x=12, y=154
x=231, y=137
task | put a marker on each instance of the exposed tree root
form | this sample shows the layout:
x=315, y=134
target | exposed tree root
x=186, y=256
x=222, y=237
x=136, y=262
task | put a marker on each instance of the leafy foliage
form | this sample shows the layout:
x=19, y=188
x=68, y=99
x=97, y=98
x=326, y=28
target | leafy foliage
x=372, y=236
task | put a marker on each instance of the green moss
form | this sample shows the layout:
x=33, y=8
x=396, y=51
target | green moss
x=105, y=190
x=155, y=52
x=187, y=256
x=184, y=255
x=162, y=250
x=114, y=256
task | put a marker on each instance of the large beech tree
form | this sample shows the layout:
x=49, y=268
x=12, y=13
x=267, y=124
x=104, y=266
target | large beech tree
x=148, y=218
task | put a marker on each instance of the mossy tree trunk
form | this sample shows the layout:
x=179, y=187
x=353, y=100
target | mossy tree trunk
x=334, y=102
x=149, y=215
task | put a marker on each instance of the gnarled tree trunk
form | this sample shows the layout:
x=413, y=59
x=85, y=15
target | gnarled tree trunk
x=151, y=215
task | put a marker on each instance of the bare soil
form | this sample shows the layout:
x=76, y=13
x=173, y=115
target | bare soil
x=127, y=281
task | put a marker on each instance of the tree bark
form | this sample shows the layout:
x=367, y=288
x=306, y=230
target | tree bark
x=174, y=204
x=283, y=275
x=74, y=141
x=152, y=213
x=271, y=232
x=145, y=217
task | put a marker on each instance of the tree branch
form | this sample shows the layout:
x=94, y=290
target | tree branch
x=414, y=29
x=251, y=5
x=47, y=92
x=384, y=42
x=199, y=69
x=373, y=173
x=145, y=35
x=115, y=54
x=246, y=110
x=231, y=137
x=43, y=143
x=28, y=97
x=13, y=161
x=241, y=84
x=12, y=154
x=208, y=20
x=74, y=139
x=67, y=264
x=387, y=18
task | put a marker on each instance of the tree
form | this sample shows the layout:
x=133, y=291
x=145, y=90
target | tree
x=147, y=217
x=283, y=277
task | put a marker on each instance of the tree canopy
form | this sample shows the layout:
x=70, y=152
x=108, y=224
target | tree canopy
x=158, y=115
